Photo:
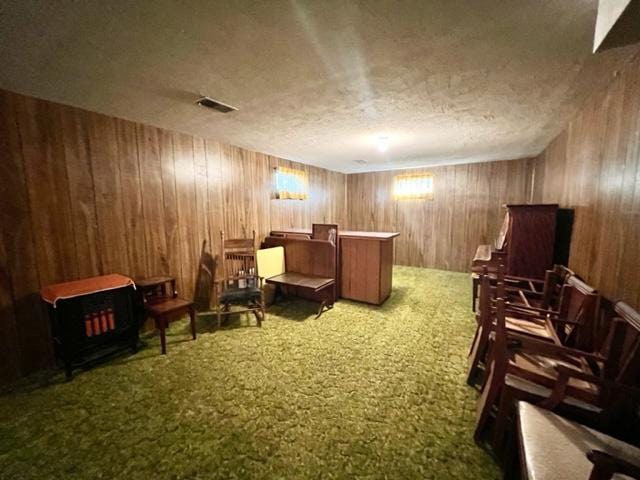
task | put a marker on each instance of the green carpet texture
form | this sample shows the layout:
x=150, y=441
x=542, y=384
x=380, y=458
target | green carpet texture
x=361, y=392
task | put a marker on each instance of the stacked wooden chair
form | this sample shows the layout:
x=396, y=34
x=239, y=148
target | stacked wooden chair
x=240, y=283
x=590, y=386
x=570, y=324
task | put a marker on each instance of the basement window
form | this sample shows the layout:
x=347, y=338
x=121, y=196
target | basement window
x=413, y=186
x=291, y=184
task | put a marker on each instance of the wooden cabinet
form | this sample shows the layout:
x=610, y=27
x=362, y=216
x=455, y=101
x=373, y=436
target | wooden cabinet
x=366, y=269
x=525, y=244
x=366, y=264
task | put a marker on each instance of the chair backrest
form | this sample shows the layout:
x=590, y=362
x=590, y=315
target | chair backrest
x=623, y=367
x=628, y=345
x=325, y=231
x=554, y=280
x=579, y=304
x=238, y=260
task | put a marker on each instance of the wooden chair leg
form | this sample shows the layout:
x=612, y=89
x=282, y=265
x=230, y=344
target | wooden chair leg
x=192, y=316
x=505, y=407
x=257, y=313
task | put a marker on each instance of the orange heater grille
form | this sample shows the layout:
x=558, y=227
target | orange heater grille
x=100, y=322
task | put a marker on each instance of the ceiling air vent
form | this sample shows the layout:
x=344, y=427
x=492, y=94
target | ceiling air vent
x=361, y=162
x=215, y=105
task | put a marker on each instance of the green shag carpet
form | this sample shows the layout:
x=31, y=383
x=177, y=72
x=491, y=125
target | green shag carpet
x=360, y=392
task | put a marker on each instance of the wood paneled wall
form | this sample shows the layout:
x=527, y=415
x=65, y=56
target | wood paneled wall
x=594, y=167
x=444, y=232
x=84, y=194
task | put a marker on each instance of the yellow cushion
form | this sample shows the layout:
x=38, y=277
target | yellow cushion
x=270, y=262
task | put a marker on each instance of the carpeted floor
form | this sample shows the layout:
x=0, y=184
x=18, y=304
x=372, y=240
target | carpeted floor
x=361, y=392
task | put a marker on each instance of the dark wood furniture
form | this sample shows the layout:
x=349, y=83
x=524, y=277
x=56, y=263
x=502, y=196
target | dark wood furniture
x=365, y=264
x=593, y=388
x=518, y=320
x=92, y=319
x=310, y=269
x=539, y=293
x=525, y=243
x=161, y=302
x=551, y=447
x=240, y=282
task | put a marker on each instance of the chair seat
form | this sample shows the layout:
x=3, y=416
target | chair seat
x=240, y=294
x=541, y=370
x=538, y=390
x=536, y=328
x=554, y=448
x=168, y=306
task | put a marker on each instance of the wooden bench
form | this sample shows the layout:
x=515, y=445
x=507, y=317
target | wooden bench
x=551, y=447
x=310, y=269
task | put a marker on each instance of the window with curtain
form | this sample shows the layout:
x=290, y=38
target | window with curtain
x=413, y=186
x=291, y=184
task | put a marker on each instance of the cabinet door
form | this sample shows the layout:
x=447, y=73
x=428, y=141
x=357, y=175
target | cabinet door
x=360, y=269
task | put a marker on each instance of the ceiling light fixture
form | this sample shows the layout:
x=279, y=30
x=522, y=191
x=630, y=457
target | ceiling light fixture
x=383, y=143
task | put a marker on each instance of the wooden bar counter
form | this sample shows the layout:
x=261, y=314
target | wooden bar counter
x=366, y=263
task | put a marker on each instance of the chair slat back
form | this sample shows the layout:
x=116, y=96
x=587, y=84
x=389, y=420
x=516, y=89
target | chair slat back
x=579, y=303
x=238, y=260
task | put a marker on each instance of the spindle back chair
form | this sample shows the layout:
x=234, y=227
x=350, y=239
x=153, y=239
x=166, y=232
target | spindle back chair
x=240, y=282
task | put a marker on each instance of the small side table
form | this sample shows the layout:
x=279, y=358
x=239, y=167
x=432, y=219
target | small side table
x=161, y=302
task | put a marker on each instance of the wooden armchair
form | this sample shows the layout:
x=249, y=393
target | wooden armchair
x=533, y=292
x=240, y=283
x=577, y=313
x=591, y=387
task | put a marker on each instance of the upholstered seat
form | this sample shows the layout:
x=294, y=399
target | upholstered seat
x=555, y=448
x=232, y=295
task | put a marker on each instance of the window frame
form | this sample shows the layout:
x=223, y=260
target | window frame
x=282, y=192
x=406, y=178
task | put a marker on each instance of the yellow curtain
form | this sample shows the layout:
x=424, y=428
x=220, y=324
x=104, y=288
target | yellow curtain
x=413, y=186
x=291, y=184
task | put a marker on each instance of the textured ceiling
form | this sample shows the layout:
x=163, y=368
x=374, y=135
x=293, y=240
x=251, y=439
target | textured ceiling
x=318, y=81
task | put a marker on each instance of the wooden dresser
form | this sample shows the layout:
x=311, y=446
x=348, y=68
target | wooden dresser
x=366, y=263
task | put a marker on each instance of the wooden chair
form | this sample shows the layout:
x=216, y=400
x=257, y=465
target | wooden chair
x=240, y=283
x=578, y=383
x=551, y=447
x=161, y=302
x=577, y=312
x=529, y=291
x=538, y=326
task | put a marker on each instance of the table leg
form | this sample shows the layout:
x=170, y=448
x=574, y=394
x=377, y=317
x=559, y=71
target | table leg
x=161, y=324
x=192, y=315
